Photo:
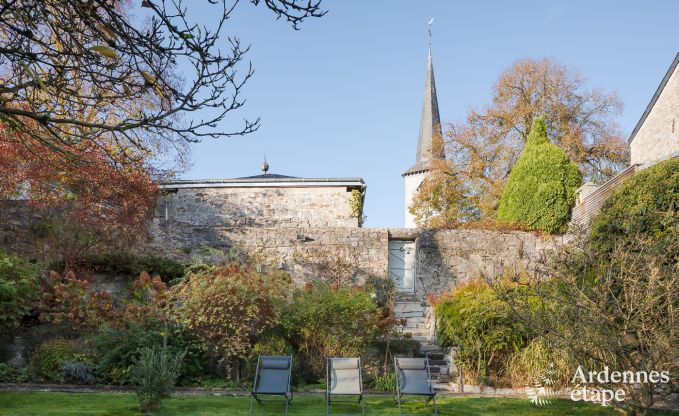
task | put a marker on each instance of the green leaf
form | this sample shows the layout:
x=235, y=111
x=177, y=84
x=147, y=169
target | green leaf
x=187, y=35
x=105, y=51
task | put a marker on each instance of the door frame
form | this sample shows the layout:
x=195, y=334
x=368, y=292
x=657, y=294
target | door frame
x=412, y=241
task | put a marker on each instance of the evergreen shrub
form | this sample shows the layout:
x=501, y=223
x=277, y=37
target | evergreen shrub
x=540, y=191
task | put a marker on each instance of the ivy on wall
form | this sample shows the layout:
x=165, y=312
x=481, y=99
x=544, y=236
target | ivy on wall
x=356, y=205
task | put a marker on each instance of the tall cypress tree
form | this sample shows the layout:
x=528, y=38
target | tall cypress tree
x=541, y=187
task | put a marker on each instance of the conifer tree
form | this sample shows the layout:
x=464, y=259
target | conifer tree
x=541, y=186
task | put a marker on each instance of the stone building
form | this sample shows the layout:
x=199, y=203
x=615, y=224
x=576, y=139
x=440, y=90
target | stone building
x=654, y=139
x=267, y=200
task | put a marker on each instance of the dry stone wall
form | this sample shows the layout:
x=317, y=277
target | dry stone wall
x=447, y=258
x=444, y=259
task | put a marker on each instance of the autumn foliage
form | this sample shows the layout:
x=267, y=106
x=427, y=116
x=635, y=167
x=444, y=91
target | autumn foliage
x=86, y=204
x=69, y=299
x=228, y=307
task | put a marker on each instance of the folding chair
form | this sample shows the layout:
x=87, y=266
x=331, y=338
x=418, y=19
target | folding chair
x=412, y=377
x=343, y=378
x=272, y=378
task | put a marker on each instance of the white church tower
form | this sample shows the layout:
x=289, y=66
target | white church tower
x=430, y=131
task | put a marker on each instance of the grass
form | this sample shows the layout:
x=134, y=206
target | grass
x=110, y=404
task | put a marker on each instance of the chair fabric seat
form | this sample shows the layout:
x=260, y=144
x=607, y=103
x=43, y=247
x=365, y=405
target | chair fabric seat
x=415, y=382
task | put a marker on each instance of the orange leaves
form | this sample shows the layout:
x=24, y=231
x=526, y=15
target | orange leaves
x=70, y=300
x=94, y=196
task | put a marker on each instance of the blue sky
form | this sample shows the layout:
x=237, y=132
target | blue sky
x=342, y=96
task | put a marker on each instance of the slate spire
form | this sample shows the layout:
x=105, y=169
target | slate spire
x=430, y=125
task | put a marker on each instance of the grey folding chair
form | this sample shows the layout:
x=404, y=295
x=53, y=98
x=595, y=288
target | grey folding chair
x=412, y=377
x=272, y=378
x=343, y=378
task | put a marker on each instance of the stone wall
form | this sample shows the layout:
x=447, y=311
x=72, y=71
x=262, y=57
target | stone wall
x=259, y=207
x=17, y=222
x=444, y=257
x=305, y=252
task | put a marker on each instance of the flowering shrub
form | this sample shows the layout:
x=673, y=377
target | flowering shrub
x=69, y=299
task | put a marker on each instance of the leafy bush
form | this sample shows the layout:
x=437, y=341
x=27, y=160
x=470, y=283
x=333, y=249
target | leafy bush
x=541, y=186
x=9, y=374
x=645, y=206
x=324, y=323
x=228, y=307
x=481, y=327
x=19, y=290
x=116, y=349
x=70, y=300
x=155, y=372
x=48, y=360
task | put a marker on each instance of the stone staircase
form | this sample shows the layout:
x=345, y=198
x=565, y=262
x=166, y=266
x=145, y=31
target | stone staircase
x=420, y=323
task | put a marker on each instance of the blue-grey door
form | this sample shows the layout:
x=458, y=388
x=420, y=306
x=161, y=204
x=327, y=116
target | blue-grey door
x=402, y=265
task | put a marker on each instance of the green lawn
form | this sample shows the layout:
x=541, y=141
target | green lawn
x=112, y=404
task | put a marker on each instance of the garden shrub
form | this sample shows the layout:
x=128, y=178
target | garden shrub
x=482, y=329
x=116, y=348
x=9, y=374
x=47, y=361
x=541, y=187
x=645, y=206
x=155, y=371
x=325, y=323
x=228, y=307
x=537, y=360
x=68, y=299
x=19, y=290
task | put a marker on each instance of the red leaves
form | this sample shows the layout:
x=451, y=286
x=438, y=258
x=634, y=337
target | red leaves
x=70, y=299
x=94, y=194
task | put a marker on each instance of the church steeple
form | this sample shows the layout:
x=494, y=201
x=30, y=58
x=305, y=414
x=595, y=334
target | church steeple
x=429, y=142
x=430, y=125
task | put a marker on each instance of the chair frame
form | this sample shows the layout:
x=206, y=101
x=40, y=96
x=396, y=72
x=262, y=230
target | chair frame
x=287, y=395
x=361, y=398
x=397, y=382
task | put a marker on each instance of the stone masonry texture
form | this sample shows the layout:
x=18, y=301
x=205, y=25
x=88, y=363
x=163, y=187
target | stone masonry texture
x=445, y=258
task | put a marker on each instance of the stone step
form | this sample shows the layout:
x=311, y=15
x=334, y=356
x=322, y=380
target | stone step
x=411, y=314
x=410, y=310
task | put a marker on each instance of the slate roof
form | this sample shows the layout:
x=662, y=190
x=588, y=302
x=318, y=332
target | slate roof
x=430, y=124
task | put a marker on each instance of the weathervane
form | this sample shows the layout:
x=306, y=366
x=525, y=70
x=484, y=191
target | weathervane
x=429, y=30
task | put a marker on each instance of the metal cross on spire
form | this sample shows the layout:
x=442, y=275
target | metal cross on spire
x=429, y=30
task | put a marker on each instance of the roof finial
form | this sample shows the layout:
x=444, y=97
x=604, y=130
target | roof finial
x=264, y=166
x=429, y=30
